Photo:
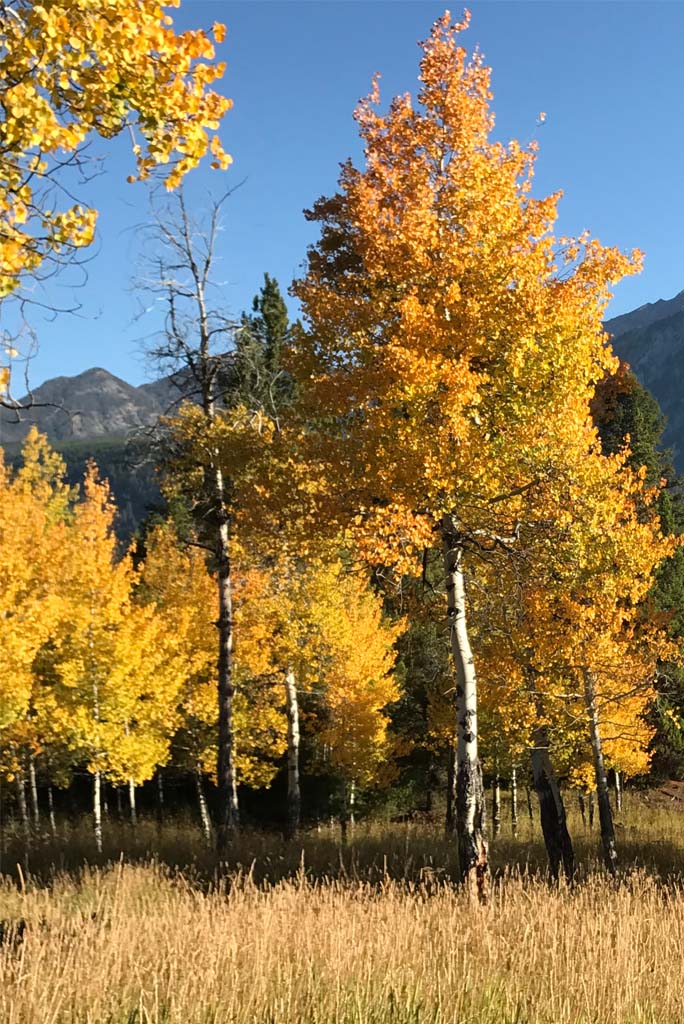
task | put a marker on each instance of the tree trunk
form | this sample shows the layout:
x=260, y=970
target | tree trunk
x=203, y=809
x=592, y=809
x=514, y=801
x=97, y=810
x=51, y=810
x=119, y=804
x=551, y=808
x=496, y=804
x=160, y=798
x=602, y=795
x=131, y=803
x=344, y=814
x=582, y=808
x=450, y=818
x=33, y=790
x=528, y=799
x=618, y=792
x=352, y=805
x=294, y=799
x=21, y=803
x=225, y=769
x=470, y=805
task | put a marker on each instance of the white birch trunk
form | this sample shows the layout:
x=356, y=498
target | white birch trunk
x=225, y=768
x=496, y=804
x=602, y=795
x=514, y=801
x=294, y=799
x=470, y=805
x=160, y=798
x=618, y=791
x=205, y=817
x=97, y=810
x=131, y=803
x=33, y=790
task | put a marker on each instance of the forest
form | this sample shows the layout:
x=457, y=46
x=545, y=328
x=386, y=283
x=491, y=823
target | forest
x=379, y=717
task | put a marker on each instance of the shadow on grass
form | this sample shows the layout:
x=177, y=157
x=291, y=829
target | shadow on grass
x=414, y=854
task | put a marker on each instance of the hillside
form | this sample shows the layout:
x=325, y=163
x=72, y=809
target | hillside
x=651, y=340
x=95, y=414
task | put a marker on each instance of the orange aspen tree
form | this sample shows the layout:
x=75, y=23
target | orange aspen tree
x=449, y=351
x=70, y=68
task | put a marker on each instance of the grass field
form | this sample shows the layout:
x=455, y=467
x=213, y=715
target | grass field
x=371, y=934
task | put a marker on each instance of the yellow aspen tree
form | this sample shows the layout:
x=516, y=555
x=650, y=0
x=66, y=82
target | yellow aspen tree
x=449, y=349
x=33, y=506
x=70, y=68
x=175, y=577
x=111, y=687
x=354, y=666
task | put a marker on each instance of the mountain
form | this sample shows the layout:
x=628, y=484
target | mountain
x=93, y=416
x=651, y=340
x=92, y=405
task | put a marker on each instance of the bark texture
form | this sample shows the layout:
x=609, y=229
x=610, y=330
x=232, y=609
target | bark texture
x=450, y=817
x=294, y=799
x=551, y=807
x=227, y=787
x=496, y=804
x=131, y=803
x=514, y=801
x=33, y=789
x=602, y=795
x=470, y=803
x=203, y=809
x=97, y=810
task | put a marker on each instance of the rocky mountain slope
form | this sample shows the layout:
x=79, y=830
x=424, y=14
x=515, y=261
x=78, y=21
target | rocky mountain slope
x=651, y=340
x=93, y=414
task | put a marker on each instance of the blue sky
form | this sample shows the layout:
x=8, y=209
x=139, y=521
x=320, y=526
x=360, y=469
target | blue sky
x=609, y=77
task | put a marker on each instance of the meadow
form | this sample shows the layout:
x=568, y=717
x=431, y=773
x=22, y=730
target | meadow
x=153, y=931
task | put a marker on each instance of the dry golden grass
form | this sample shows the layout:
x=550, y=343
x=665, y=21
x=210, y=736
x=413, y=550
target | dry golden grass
x=339, y=940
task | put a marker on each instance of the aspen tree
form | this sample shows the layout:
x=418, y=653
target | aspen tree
x=449, y=349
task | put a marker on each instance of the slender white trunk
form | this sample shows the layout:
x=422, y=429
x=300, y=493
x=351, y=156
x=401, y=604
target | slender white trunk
x=33, y=790
x=514, y=801
x=131, y=802
x=470, y=804
x=618, y=791
x=160, y=798
x=496, y=804
x=225, y=768
x=602, y=795
x=203, y=809
x=352, y=805
x=97, y=810
x=294, y=799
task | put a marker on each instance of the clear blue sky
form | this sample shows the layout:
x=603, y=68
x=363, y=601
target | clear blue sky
x=610, y=77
